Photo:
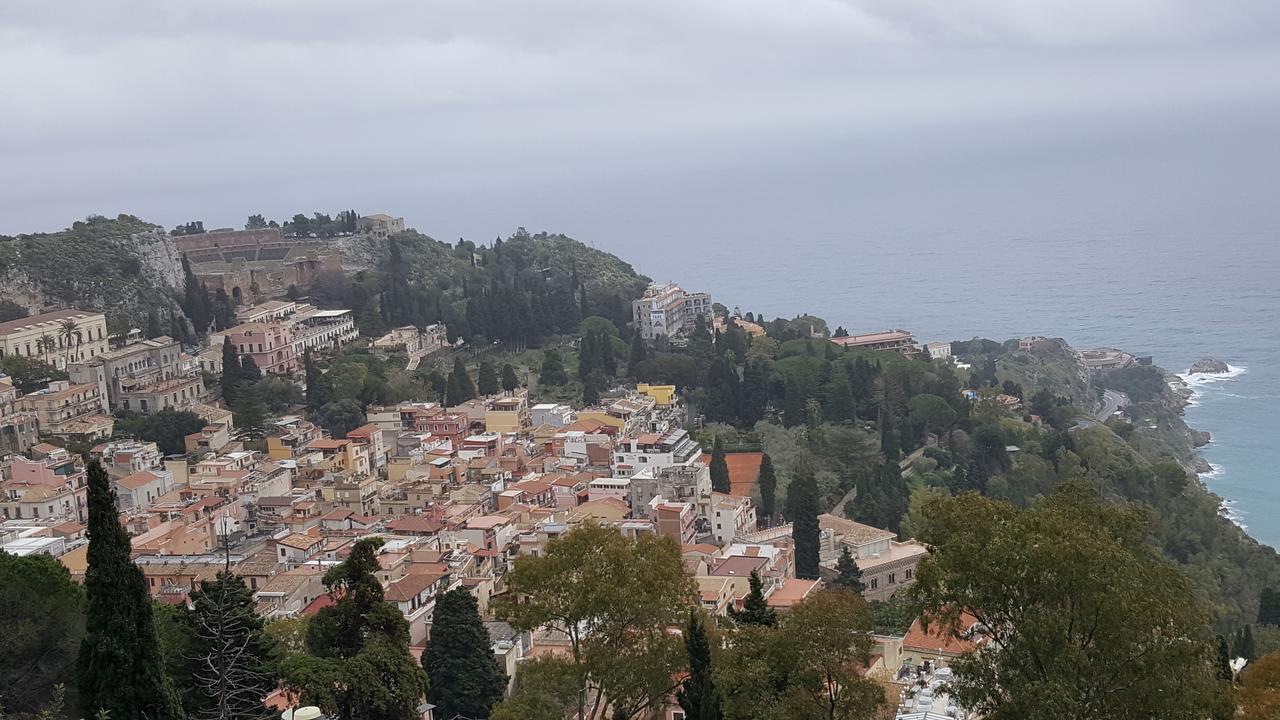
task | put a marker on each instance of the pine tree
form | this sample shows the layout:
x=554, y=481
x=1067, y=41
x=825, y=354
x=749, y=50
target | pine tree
x=465, y=678
x=249, y=372
x=553, y=373
x=803, y=493
x=509, y=380
x=697, y=694
x=639, y=352
x=848, y=576
x=768, y=488
x=230, y=370
x=120, y=669
x=233, y=670
x=719, y=468
x=487, y=380
x=755, y=609
x=358, y=665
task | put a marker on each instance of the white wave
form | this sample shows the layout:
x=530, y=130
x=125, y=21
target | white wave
x=1200, y=379
x=1215, y=470
x=1230, y=511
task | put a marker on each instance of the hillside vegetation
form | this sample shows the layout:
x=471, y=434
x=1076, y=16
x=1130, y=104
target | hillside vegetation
x=123, y=267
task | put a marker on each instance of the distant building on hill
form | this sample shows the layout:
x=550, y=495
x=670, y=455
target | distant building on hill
x=379, y=225
x=896, y=340
x=667, y=310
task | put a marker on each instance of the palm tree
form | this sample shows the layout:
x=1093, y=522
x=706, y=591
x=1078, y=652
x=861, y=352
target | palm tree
x=67, y=330
x=50, y=344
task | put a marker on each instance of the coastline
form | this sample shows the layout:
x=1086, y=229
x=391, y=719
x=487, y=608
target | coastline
x=1190, y=387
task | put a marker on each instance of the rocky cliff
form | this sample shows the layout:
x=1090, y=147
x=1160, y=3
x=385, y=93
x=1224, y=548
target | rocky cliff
x=124, y=267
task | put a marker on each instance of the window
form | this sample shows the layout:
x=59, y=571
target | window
x=908, y=575
x=875, y=583
x=893, y=578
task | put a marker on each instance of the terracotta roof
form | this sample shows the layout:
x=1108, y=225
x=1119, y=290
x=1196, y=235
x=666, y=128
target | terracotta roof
x=328, y=444
x=298, y=541
x=411, y=586
x=415, y=525
x=137, y=480
x=940, y=638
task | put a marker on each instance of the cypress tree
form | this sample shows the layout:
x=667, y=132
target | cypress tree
x=587, y=356
x=697, y=695
x=509, y=380
x=249, y=409
x=461, y=388
x=719, y=468
x=230, y=370
x=804, y=524
x=487, y=380
x=465, y=677
x=608, y=360
x=639, y=353
x=120, y=668
x=755, y=609
x=768, y=488
x=1269, y=607
x=890, y=445
x=153, y=325
x=249, y=372
x=1224, y=660
x=317, y=384
x=848, y=576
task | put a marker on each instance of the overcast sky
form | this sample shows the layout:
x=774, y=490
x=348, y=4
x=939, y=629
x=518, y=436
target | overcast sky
x=470, y=117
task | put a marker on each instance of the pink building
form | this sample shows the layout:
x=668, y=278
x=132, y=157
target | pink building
x=270, y=344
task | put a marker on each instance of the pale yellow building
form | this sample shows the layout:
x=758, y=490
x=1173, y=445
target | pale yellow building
x=73, y=411
x=59, y=338
x=663, y=395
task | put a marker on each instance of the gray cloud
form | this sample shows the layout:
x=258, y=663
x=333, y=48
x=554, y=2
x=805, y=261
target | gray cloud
x=182, y=109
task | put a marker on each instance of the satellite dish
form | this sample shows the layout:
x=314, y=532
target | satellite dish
x=310, y=712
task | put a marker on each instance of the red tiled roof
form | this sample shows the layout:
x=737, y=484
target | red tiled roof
x=940, y=638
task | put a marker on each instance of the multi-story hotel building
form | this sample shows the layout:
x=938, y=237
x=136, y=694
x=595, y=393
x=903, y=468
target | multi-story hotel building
x=145, y=377
x=667, y=310
x=59, y=338
x=74, y=411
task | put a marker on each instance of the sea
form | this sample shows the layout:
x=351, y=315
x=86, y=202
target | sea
x=1159, y=242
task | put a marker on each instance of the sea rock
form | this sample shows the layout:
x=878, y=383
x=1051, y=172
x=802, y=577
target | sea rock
x=1201, y=465
x=1200, y=438
x=1209, y=365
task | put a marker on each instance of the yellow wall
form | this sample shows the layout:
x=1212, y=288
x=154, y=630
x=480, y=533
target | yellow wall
x=663, y=395
x=603, y=417
x=502, y=421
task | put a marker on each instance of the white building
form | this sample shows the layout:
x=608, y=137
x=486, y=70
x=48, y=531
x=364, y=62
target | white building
x=938, y=350
x=552, y=414
x=667, y=310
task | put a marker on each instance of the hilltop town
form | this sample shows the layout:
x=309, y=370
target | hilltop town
x=301, y=390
